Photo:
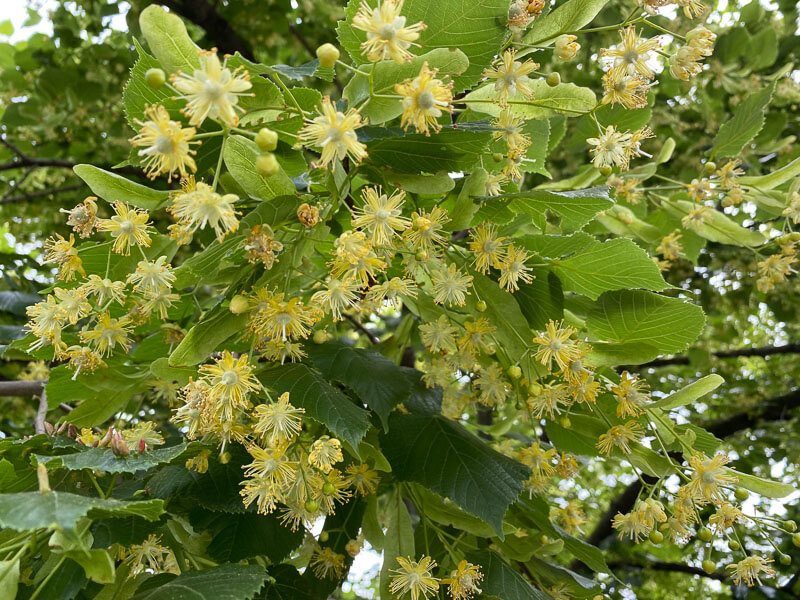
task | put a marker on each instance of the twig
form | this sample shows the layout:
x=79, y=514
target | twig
x=22, y=388
x=362, y=329
x=738, y=352
x=38, y=423
x=23, y=160
x=42, y=193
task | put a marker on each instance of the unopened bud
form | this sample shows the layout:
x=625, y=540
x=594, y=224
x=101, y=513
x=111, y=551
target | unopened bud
x=44, y=480
x=106, y=439
x=49, y=429
x=118, y=445
x=155, y=78
x=239, y=304
x=566, y=47
x=553, y=79
x=267, y=165
x=327, y=54
x=142, y=446
x=267, y=139
x=72, y=432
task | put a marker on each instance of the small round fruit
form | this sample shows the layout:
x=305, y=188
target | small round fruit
x=785, y=560
x=155, y=78
x=421, y=255
x=266, y=139
x=741, y=494
x=796, y=539
x=734, y=545
x=790, y=526
x=328, y=488
x=320, y=336
x=323, y=537
x=709, y=566
x=327, y=54
x=497, y=157
x=704, y=533
x=545, y=540
x=605, y=171
x=267, y=165
x=553, y=79
x=239, y=304
x=710, y=167
x=312, y=506
x=565, y=422
x=514, y=372
x=481, y=306
x=225, y=458
x=656, y=537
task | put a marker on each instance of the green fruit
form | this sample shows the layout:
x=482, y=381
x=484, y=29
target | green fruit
x=266, y=139
x=312, y=506
x=545, y=540
x=553, y=79
x=481, y=306
x=323, y=537
x=320, y=336
x=565, y=422
x=497, y=157
x=790, y=526
x=734, y=545
x=741, y=494
x=225, y=458
x=710, y=167
x=656, y=537
x=328, y=488
x=155, y=78
x=709, y=566
x=514, y=372
x=239, y=304
x=267, y=165
x=796, y=539
x=785, y=560
x=704, y=533
x=605, y=171
x=327, y=54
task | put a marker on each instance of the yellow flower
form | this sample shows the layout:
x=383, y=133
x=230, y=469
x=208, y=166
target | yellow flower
x=160, y=302
x=565, y=47
x=474, y=339
x=82, y=217
x=427, y=229
x=492, y=387
x=610, y=148
x=555, y=344
x=414, y=578
x=547, y=399
x=203, y=206
x=632, y=395
x=748, y=570
x=325, y=452
x=128, y=227
x=65, y=255
x=709, y=475
x=142, y=436
x=167, y=145
x=701, y=40
x=486, y=246
x=670, y=246
x=338, y=297
x=450, y=286
x=692, y=8
x=424, y=99
x=696, y=217
x=699, y=189
x=334, y=132
x=387, y=34
x=634, y=525
x=73, y=304
x=152, y=277
x=728, y=173
x=284, y=319
x=538, y=460
x=571, y=517
x=629, y=91
x=511, y=77
x=620, y=436
x=82, y=358
x=463, y=581
x=632, y=54
x=684, y=64
x=307, y=214
x=381, y=215
x=567, y=466
x=329, y=490
x=148, y=555
x=327, y=564
x=438, y=335
x=494, y=182
x=510, y=129
x=263, y=492
x=230, y=380
x=513, y=269
x=270, y=465
x=262, y=246
x=725, y=517
x=392, y=291
x=279, y=421
x=213, y=90
x=108, y=333
x=46, y=322
x=104, y=290
x=199, y=462
x=362, y=479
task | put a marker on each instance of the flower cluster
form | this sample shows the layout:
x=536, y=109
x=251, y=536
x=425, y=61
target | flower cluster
x=416, y=579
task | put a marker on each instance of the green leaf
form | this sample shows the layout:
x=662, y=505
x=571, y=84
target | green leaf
x=569, y=16
x=445, y=457
x=565, y=98
x=205, y=265
x=387, y=73
x=103, y=459
x=630, y=316
x=622, y=221
x=690, y=393
x=240, y=156
x=112, y=188
x=764, y=487
x=204, y=338
x=716, y=226
x=379, y=383
x=244, y=535
x=437, y=184
x=617, y=264
x=541, y=300
x=273, y=213
x=9, y=578
x=464, y=207
x=448, y=513
x=265, y=96
x=228, y=582
x=168, y=40
x=476, y=28
x=97, y=564
x=774, y=179
x=398, y=540
x=322, y=402
x=32, y=510
x=502, y=581
x=137, y=95
x=449, y=150
x=575, y=208
x=747, y=121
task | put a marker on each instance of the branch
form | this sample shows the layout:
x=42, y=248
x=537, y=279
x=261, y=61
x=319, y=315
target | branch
x=22, y=388
x=673, y=567
x=362, y=329
x=41, y=193
x=218, y=30
x=23, y=160
x=41, y=413
x=684, y=360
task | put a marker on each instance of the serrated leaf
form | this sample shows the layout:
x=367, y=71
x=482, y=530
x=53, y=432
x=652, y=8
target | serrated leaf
x=630, y=316
x=774, y=179
x=168, y=40
x=112, y=188
x=443, y=456
x=717, y=226
x=764, y=487
x=321, y=401
x=690, y=393
x=477, y=28
x=32, y=510
x=247, y=534
x=398, y=540
x=449, y=150
x=747, y=121
x=379, y=383
x=613, y=265
x=448, y=513
x=501, y=581
x=240, y=156
x=204, y=338
x=569, y=16
x=9, y=578
x=575, y=208
x=137, y=95
x=565, y=98
x=278, y=210
x=387, y=73
x=103, y=459
x=17, y=302
x=228, y=582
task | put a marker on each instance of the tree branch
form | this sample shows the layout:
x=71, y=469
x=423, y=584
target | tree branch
x=673, y=567
x=41, y=413
x=362, y=329
x=23, y=161
x=22, y=388
x=41, y=193
x=684, y=360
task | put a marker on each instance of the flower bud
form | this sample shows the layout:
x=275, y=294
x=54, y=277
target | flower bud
x=267, y=165
x=709, y=566
x=553, y=79
x=308, y=215
x=514, y=372
x=481, y=306
x=106, y=439
x=118, y=445
x=320, y=336
x=44, y=480
x=327, y=54
x=566, y=47
x=155, y=78
x=239, y=304
x=266, y=139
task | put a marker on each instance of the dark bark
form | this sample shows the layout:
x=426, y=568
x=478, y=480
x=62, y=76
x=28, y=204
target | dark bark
x=738, y=352
x=218, y=30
